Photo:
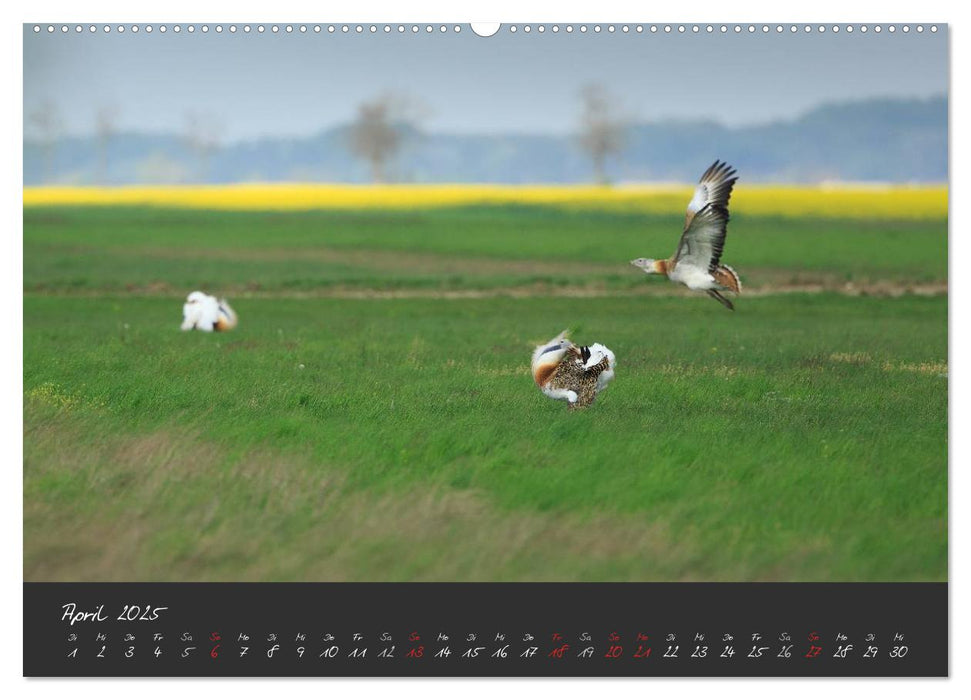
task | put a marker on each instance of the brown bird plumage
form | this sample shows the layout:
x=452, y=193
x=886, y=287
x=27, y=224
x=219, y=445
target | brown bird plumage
x=570, y=374
x=565, y=371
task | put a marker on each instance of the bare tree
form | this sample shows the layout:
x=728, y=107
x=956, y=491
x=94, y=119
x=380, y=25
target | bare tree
x=602, y=132
x=203, y=133
x=105, y=130
x=380, y=130
x=45, y=122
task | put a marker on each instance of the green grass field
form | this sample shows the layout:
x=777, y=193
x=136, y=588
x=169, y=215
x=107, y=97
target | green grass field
x=803, y=437
x=159, y=250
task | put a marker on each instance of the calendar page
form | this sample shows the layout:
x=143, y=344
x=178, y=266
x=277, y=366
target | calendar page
x=436, y=349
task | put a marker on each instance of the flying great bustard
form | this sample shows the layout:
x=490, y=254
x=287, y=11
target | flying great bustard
x=207, y=313
x=564, y=371
x=697, y=262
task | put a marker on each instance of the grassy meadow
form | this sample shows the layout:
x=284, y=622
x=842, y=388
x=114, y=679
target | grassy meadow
x=344, y=433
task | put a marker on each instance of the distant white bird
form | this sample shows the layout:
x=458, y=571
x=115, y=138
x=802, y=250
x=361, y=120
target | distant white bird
x=576, y=374
x=697, y=262
x=204, y=312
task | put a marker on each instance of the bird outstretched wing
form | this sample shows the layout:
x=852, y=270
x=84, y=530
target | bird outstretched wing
x=706, y=220
x=704, y=239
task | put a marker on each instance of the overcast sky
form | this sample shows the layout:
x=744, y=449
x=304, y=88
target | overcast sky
x=296, y=84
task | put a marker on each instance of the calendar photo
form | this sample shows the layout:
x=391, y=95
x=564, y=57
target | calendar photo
x=485, y=304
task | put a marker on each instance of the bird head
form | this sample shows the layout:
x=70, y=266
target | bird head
x=646, y=264
x=195, y=297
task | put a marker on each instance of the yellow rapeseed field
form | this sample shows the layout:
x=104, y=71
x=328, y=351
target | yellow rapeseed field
x=849, y=201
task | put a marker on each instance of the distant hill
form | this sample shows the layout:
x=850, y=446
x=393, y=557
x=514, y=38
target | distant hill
x=890, y=140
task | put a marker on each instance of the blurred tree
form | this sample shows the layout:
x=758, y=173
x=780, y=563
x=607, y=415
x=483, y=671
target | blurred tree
x=105, y=130
x=45, y=123
x=602, y=133
x=380, y=129
x=202, y=135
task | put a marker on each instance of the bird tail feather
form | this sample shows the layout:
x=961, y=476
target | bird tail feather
x=728, y=278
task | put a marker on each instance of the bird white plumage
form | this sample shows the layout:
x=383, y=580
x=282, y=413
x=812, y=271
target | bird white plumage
x=598, y=351
x=206, y=313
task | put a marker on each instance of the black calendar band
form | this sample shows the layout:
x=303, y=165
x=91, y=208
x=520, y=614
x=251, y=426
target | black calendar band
x=485, y=629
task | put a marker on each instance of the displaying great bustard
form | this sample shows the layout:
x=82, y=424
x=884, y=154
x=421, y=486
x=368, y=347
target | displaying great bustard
x=571, y=373
x=697, y=262
x=204, y=312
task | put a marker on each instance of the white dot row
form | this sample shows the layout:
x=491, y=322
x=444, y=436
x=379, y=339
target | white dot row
x=247, y=28
x=513, y=28
x=723, y=28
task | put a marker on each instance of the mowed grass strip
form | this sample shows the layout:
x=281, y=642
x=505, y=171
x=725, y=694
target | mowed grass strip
x=169, y=251
x=800, y=438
